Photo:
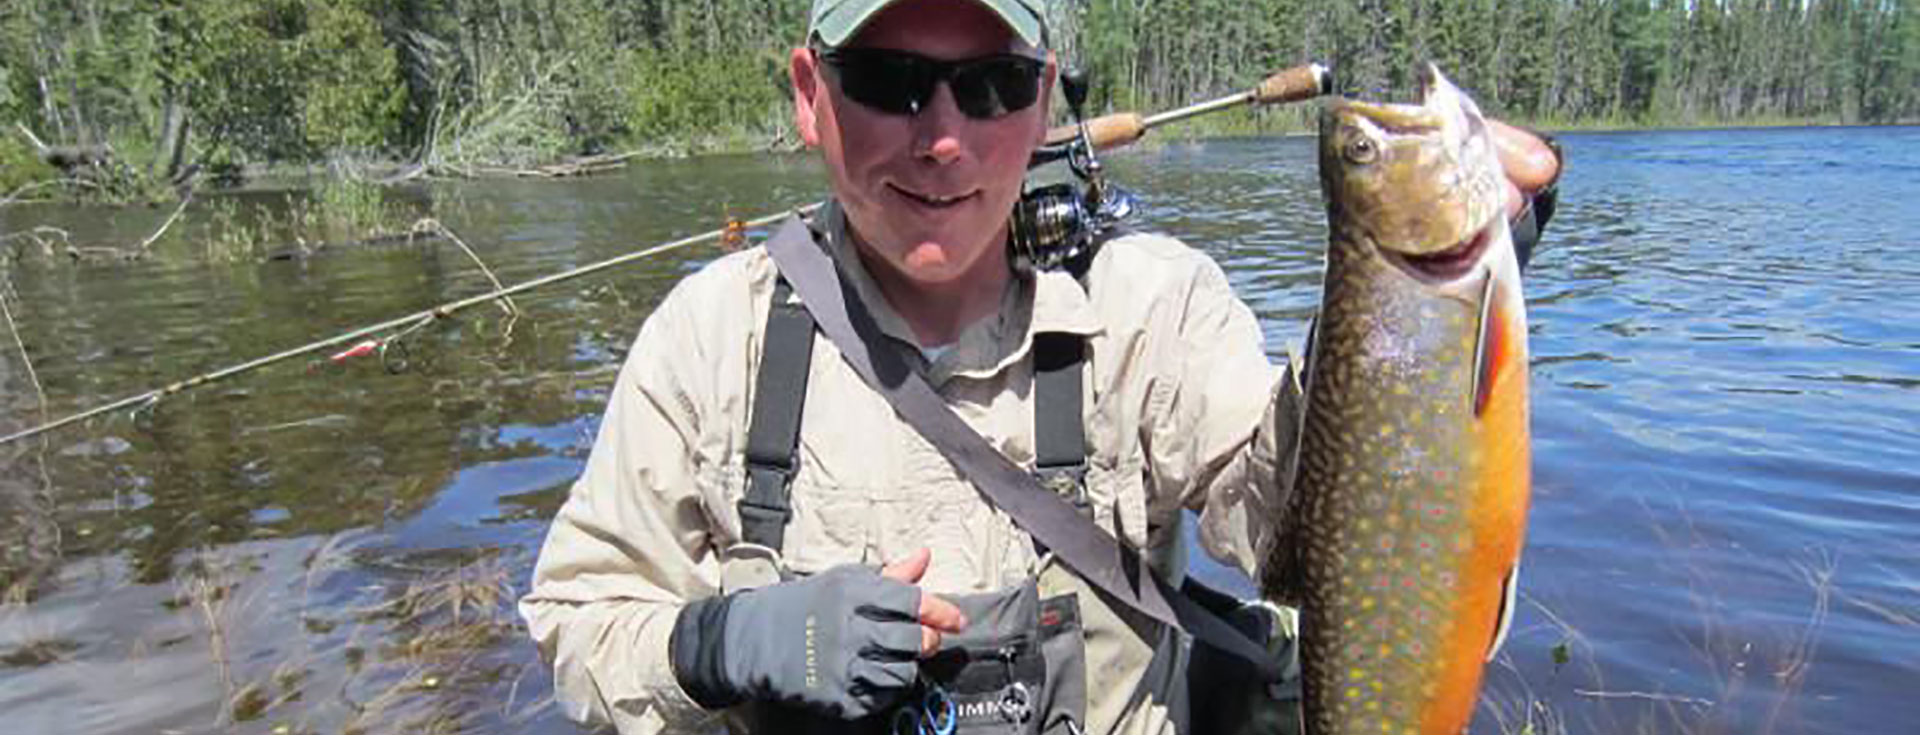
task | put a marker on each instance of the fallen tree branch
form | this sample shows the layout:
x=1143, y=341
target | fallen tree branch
x=584, y=166
x=38, y=145
x=431, y=225
x=14, y=197
x=41, y=235
x=26, y=360
x=147, y=244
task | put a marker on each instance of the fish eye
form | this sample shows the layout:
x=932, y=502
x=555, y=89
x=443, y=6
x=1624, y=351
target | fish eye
x=1360, y=150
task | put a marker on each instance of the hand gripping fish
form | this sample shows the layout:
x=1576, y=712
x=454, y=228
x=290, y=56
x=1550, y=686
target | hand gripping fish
x=1411, y=486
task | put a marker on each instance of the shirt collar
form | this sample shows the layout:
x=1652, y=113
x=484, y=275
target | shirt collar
x=1047, y=301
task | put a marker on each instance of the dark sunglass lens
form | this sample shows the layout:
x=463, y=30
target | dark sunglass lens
x=995, y=87
x=889, y=82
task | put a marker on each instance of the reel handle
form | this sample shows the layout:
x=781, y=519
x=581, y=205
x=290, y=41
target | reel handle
x=1303, y=82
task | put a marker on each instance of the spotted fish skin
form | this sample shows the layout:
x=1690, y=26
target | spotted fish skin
x=1411, y=486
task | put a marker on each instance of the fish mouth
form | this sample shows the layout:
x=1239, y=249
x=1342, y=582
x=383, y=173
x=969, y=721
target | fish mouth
x=1446, y=265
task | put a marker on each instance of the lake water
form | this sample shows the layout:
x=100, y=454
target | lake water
x=1725, y=534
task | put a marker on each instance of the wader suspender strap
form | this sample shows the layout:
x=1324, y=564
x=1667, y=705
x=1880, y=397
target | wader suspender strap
x=1097, y=556
x=773, y=434
x=780, y=392
x=1059, y=437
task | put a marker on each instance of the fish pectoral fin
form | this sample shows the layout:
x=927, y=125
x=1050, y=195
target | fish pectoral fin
x=1509, y=593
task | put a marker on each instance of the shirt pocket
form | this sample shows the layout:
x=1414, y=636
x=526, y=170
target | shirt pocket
x=831, y=525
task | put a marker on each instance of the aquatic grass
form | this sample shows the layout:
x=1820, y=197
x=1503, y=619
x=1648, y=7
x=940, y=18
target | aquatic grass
x=336, y=212
x=207, y=588
x=1756, y=676
x=1905, y=618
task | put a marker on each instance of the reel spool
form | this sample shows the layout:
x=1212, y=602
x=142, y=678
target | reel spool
x=1059, y=224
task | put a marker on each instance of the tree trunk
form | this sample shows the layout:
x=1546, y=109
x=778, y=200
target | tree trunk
x=174, y=128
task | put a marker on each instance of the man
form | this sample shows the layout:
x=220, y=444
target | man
x=887, y=588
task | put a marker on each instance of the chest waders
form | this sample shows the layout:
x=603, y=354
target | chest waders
x=1031, y=654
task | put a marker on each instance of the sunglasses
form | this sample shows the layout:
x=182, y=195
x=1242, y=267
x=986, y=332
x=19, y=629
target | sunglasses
x=902, y=82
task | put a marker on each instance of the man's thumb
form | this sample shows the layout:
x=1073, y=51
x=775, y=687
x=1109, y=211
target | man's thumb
x=910, y=569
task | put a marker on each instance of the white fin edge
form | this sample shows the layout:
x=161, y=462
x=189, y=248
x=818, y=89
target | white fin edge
x=1509, y=592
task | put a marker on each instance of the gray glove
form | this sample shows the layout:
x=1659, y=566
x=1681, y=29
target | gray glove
x=842, y=643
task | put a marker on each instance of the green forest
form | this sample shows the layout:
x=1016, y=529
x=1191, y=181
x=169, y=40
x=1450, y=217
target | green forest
x=150, y=93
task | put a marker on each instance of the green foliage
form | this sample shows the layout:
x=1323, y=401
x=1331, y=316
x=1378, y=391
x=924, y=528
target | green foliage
x=9, y=101
x=348, y=209
x=336, y=211
x=691, y=97
x=469, y=86
x=20, y=165
x=353, y=94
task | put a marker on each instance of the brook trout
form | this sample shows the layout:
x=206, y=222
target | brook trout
x=1411, y=486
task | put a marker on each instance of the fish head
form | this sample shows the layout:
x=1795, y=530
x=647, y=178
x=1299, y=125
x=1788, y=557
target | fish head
x=1421, y=182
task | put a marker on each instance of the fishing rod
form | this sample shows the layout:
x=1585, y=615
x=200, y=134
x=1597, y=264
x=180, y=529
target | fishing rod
x=410, y=321
x=1297, y=84
x=1085, y=136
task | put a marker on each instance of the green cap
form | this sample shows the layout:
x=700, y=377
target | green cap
x=836, y=21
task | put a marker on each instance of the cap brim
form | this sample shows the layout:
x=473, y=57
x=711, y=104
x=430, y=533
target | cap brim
x=844, y=21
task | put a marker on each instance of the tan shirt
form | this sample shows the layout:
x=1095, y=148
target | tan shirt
x=1177, y=387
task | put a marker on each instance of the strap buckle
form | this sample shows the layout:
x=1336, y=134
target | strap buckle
x=764, y=510
x=1067, y=481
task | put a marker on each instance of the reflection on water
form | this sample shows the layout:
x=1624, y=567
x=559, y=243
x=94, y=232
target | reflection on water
x=1726, y=492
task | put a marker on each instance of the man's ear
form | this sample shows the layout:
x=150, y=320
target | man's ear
x=805, y=75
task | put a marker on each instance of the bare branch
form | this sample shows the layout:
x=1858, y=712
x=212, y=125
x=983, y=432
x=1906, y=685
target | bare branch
x=430, y=224
x=147, y=244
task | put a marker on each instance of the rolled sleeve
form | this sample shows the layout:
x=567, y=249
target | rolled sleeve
x=1222, y=442
x=631, y=545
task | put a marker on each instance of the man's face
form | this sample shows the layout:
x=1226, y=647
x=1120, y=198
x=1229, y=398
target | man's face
x=927, y=195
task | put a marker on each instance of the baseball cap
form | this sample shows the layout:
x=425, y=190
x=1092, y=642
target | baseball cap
x=836, y=21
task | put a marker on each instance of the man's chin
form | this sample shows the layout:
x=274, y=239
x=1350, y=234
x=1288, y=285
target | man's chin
x=929, y=258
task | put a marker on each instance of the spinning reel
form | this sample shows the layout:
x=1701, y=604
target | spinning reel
x=1060, y=224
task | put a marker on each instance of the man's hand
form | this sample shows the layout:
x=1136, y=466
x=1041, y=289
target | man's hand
x=1529, y=163
x=937, y=615
x=843, y=643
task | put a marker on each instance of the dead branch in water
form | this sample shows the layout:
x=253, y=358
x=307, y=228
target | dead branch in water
x=584, y=166
x=43, y=236
x=434, y=226
x=147, y=244
x=14, y=197
x=26, y=360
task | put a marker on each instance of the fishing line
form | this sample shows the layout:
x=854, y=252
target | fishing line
x=144, y=402
x=1111, y=131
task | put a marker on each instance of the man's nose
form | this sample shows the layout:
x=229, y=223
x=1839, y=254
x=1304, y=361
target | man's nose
x=937, y=127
